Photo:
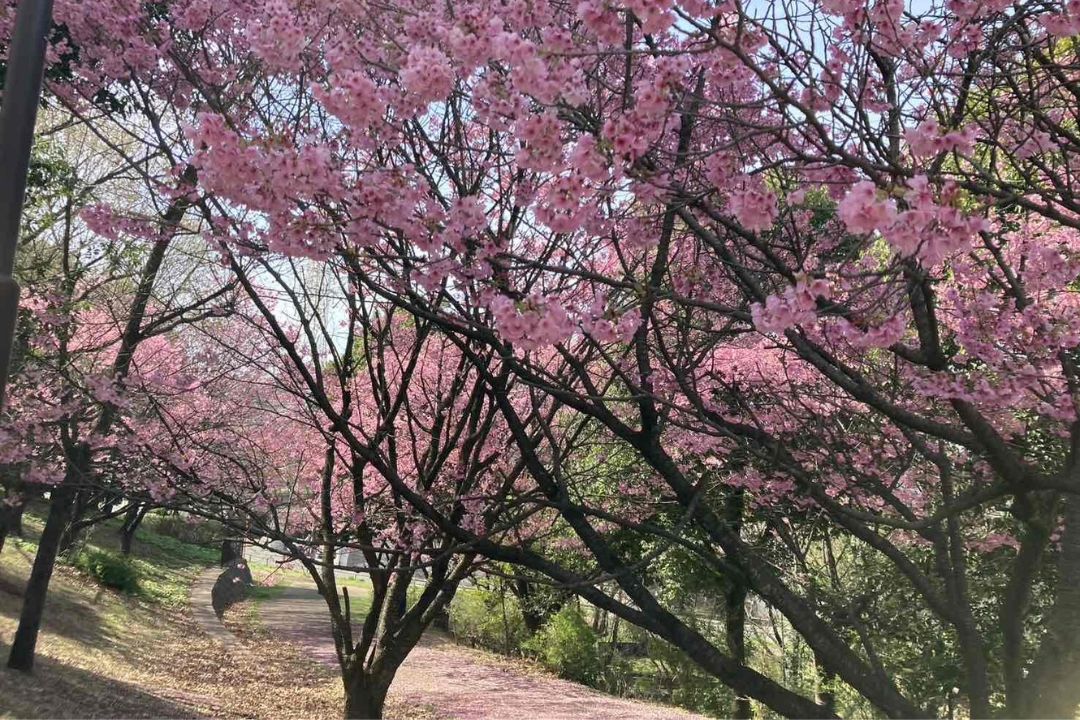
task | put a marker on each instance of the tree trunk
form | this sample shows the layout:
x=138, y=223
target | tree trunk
x=22, y=648
x=6, y=519
x=1052, y=688
x=11, y=515
x=735, y=626
x=231, y=549
x=73, y=530
x=365, y=697
x=132, y=520
x=532, y=616
x=735, y=611
x=15, y=526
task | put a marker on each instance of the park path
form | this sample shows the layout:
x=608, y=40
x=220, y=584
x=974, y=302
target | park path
x=202, y=607
x=459, y=682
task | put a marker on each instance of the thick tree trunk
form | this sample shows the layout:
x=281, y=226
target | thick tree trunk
x=25, y=642
x=231, y=549
x=365, y=697
x=1052, y=688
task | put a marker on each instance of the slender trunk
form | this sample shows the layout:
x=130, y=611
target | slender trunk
x=735, y=626
x=73, y=531
x=132, y=520
x=401, y=601
x=1016, y=604
x=735, y=607
x=826, y=681
x=33, y=608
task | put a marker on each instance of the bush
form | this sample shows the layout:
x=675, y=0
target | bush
x=489, y=620
x=568, y=646
x=109, y=570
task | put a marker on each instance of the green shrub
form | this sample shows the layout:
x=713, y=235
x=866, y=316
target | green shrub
x=669, y=676
x=487, y=619
x=109, y=570
x=568, y=646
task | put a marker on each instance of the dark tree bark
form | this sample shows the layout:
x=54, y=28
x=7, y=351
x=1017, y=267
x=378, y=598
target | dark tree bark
x=132, y=520
x=16, y=526
x=1053, y=685
x=25, y=642
x=365, y=696
x=231, y=549
x=735, y=613
x=7, y=521
x=10, y=520
x=74, y=528
x=735, y=626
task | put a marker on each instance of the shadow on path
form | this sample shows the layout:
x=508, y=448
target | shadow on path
x=70, y=692
x=458, y=682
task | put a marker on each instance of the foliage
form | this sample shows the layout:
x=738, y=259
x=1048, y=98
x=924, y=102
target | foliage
x=108, y=569
x=160, y=569
x=668, y=675
x=569, y=646
x=488, y=619
x=185, y=528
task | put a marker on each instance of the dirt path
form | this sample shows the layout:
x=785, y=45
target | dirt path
x=458, y=682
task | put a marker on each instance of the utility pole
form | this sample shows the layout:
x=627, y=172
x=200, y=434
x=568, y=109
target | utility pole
x=18, y=114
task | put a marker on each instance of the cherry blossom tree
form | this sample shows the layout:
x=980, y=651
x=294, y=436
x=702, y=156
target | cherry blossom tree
x=99, y=293
x=315, y=406
x=816, y=256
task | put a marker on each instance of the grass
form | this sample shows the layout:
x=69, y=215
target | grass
x=107, y=654
x=167, y=566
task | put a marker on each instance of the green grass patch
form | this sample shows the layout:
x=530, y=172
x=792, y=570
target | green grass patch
x=160, y=568
x=260, y=593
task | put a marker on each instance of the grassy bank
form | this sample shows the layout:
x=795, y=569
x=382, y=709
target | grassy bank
x=104, y=653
